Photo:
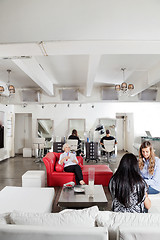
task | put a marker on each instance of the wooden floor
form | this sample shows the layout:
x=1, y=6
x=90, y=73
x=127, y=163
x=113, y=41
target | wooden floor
x=11, y=171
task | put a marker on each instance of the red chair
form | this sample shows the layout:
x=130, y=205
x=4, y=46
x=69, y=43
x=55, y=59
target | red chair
x=57, y=177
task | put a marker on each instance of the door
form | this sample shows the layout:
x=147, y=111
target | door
x=120, y=133
x=23, y=132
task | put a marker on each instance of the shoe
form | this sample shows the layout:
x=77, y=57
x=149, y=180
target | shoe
x=82, y=182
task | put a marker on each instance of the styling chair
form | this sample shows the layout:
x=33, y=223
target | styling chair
x=73, y=143
x=39, y=144
x=109, y=146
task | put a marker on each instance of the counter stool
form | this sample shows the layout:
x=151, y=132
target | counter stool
x=33, y=179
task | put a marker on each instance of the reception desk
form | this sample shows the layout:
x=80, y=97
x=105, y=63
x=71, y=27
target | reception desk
x=155, y=141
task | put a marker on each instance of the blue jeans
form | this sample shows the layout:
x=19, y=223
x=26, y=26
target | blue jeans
x=152, y=190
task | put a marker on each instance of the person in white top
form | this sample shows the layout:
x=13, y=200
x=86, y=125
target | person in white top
x=71, y=164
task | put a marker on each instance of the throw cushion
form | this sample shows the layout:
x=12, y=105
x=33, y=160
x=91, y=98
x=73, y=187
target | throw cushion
x=59, y=167
x=78, y=218
x=114, y=220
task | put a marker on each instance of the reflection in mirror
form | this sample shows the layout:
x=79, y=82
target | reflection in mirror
x=45, y=130
x=79, y=125
x=110, y=124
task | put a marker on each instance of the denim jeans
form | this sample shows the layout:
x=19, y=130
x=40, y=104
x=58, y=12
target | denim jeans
x=152, y=190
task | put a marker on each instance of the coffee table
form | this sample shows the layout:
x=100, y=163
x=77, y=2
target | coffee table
x=69, y=199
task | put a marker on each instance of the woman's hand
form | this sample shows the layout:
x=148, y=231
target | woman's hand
x=63, y=159
x=74, y=161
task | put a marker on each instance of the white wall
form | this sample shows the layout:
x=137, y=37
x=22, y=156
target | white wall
x=145, y=117
x=7, y=151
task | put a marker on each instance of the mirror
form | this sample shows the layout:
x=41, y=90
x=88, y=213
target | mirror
x=79, y=125
x=45, y=130
x=110, y=124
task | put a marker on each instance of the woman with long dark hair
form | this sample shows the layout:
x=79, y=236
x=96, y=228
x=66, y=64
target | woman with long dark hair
x=149, y=166
x=127, y=187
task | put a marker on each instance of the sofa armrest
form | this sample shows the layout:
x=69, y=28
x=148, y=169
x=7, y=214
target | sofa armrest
x=80, y=160
x=50, y=161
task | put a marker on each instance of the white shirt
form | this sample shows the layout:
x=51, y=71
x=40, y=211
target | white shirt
x=68, y=162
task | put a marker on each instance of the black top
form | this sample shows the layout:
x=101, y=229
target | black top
x=107, y=138
x=1, y=137
x=75, y=138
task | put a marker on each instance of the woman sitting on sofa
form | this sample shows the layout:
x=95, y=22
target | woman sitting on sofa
x=150, y=167
x=127, y=187
x=71, y=164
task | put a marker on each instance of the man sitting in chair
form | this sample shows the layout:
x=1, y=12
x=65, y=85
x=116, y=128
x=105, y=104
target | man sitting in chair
x=107, y=137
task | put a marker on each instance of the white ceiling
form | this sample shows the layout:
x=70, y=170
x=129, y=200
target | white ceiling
x=84, y=44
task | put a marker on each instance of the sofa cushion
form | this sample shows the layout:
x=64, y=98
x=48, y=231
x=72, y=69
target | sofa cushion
x=113, y=220
x=138, y=233
x=83, y=218
x=59, y=167
x=17, y=232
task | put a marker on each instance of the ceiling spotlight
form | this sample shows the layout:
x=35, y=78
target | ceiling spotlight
x=11, y=88
x=80, y=105
x=67, y=105
x=55, y=105
x=42, y=106
x=92, y=106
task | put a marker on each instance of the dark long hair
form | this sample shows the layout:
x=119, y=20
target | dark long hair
x=126, y=178
x=74, y=132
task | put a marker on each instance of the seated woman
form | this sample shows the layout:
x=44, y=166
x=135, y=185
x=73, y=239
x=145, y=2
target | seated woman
x=150, y=167
x=71, y=164
x=127, y=187
x=74, y=136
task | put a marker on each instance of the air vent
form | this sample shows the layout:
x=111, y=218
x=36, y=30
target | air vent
x=69, y=94
x=30, y=95
x=109, y=94
x=148, y=95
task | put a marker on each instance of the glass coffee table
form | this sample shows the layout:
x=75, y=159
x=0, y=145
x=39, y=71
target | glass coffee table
x=71, y=199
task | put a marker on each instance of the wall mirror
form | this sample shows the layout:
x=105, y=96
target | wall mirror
x=109, y=123
x=79, y=125
x=45, y=130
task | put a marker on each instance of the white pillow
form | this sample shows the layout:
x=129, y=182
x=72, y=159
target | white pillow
x=113, y=220
x=70, y=218
x=5, y=218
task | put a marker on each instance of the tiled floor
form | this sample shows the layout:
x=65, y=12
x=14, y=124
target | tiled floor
x=11, y=171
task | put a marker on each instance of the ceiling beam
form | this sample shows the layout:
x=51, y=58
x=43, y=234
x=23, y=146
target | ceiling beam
x=79, y=48
x=33, y=69
x=147, y=79
x=92, y=71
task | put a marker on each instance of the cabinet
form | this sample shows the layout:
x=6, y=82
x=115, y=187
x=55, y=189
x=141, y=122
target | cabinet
x=91, y=151
x=57, y=147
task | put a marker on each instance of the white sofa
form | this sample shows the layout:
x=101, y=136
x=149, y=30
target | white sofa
x=89, y=223
x=26, y=199
x=26, y=212
x=13, y=232
x=66, y=225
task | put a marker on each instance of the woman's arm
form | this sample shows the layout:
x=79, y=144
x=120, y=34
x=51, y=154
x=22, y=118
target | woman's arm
x=62, y=159
x=155, y=180
x=147, y=202
x=75, y=159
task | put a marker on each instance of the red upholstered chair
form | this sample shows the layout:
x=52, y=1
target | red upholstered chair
x=57, y=177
